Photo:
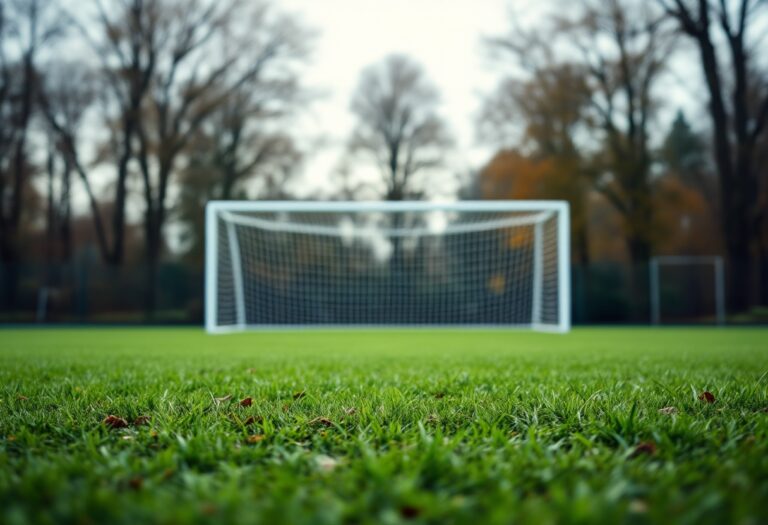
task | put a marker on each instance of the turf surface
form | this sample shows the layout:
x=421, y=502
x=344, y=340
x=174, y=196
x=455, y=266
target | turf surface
x=356, y=427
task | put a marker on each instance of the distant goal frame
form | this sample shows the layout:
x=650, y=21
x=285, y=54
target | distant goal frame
x=546, y=208
x=718, y=267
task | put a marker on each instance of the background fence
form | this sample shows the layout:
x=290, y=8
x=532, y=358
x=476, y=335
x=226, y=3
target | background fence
x=87, y=291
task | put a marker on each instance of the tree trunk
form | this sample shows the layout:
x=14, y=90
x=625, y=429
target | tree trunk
x=739, y=194
x=763, y=265
x=738, y=188
x=65, y=224
x=118, y=215
x=9, y=232
x=50, y=227
x=152, y=258
x=10, y=269
x=640, y=249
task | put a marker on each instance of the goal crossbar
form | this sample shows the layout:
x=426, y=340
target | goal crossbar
x=332, y=231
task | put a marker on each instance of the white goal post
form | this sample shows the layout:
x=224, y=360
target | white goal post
x=299, y=264
x=657, y=264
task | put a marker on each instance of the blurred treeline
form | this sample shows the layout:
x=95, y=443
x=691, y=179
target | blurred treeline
x=119, y=119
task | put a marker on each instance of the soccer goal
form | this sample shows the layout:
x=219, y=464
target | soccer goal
x=687, y=289
x=285, y=264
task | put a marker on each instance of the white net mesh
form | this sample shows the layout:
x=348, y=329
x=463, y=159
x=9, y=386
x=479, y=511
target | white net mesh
x=378, y=268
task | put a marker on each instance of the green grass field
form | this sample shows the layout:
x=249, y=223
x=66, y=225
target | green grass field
x=385, y=427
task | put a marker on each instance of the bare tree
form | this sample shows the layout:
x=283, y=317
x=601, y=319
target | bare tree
x=724, y=33
x=618, y=48
x=398, y=124
x=244, y=150
x=187, y=88
x=608, y=57
x=67, y=93
x=26, y=27
x=245, y=138
x=624, y=47
x=122, y=37
x=543, y=115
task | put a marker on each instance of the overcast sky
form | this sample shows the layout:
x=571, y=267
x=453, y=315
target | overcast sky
x=443, y=35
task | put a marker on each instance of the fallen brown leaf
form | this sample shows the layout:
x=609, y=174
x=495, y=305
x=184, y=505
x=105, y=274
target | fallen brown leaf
x=136, y=483
x=707, y=397
x=22, y=398
x=114, y=422
x=141, y=420
x=647, y=448
x=324, y=421
x=246, y=402
x=351, y=411
x=255, y=438
x=410, y=511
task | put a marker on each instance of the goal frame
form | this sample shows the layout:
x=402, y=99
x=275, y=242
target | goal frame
x=680, y=260
x=546, y=207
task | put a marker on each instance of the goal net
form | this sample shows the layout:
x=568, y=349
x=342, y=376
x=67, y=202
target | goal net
x=303, y=264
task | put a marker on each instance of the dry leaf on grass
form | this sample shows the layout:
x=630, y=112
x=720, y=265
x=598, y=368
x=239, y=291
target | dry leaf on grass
x=668, y=411
x=410, y=512
x=114, y=422
x=136, y=483
x=707, y=397
x=223, y=399
x=324, y=421
x=647, y=448
x=246, y=402
x=141, y=420
x=255, y=438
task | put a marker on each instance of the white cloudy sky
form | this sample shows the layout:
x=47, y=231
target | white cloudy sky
x=443, y=35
